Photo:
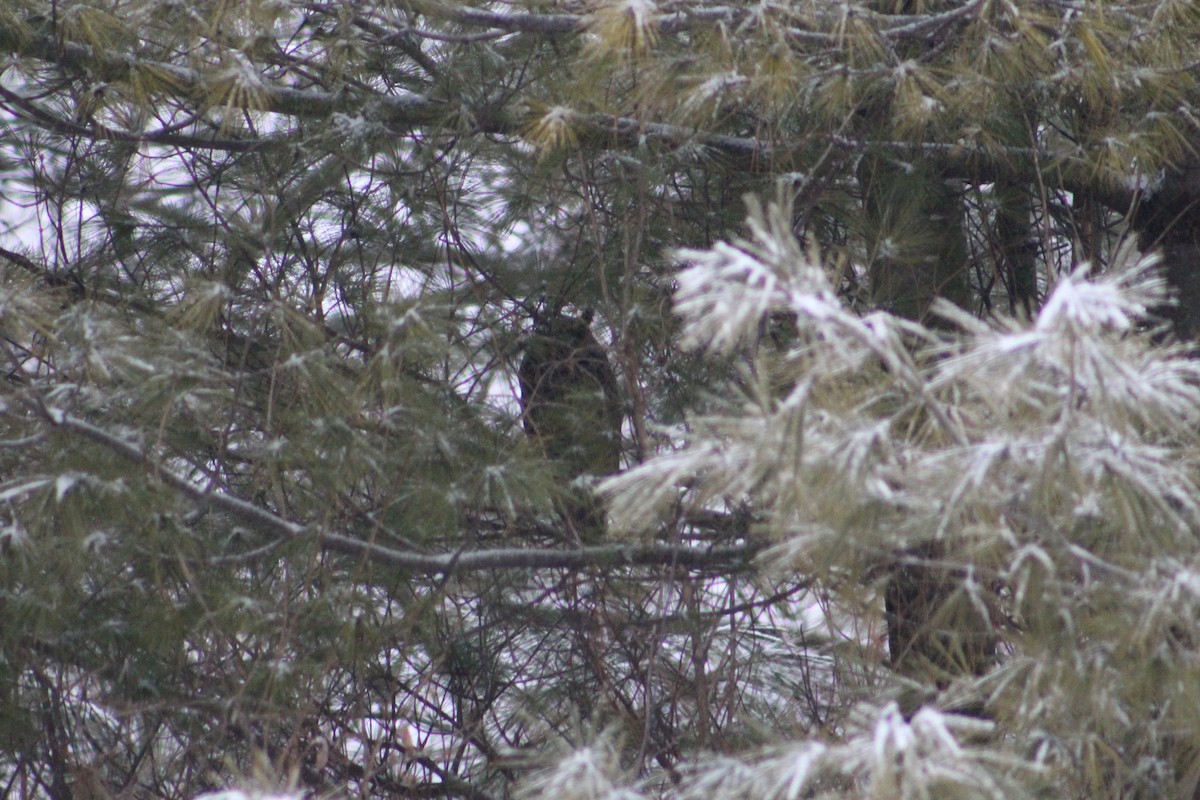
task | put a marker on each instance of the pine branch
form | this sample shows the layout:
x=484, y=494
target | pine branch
x=906, y=27
x=400, y=110
x=404, y=112
x=732, y=558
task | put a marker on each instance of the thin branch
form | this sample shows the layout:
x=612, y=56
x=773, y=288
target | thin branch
x=27, y=109
x=23, y=262
x=404, y=112
x=513, y=23
x=728, y=558
x=908, y=26
x=236, y=506
x=405, y=109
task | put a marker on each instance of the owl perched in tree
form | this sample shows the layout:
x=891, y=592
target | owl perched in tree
x=570, y=405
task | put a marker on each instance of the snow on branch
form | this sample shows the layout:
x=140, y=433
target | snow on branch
x=879, y=432
x=886, y=755
x=586, y=773
x=1087, y=351
x=728, y=290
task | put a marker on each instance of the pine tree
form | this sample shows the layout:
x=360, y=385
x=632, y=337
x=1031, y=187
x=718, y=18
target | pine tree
x=905, y=423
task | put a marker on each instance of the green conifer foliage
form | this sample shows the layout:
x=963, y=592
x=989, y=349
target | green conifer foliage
x=297, y=492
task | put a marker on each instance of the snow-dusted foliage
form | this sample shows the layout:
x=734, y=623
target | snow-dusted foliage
x=1052, y=464
x=586, y=773
x=286, y=286
x=239, y=794
x=881, y=755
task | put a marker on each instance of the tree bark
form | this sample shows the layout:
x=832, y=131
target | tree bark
x=914, y=233
x=935, y=631
x=917, y=252
x=1167, y=219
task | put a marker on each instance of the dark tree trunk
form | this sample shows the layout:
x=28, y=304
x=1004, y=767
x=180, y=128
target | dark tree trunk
x=1017, y=246
x=936, y=632
x=1167, y=220
x=916, y=246
x=918, y=252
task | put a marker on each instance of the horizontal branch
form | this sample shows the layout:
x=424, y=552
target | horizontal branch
x=727, y=558
x=404, y=112
x=30, y=111
x=823, y=30
x=395, y=109
x=512, y=23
